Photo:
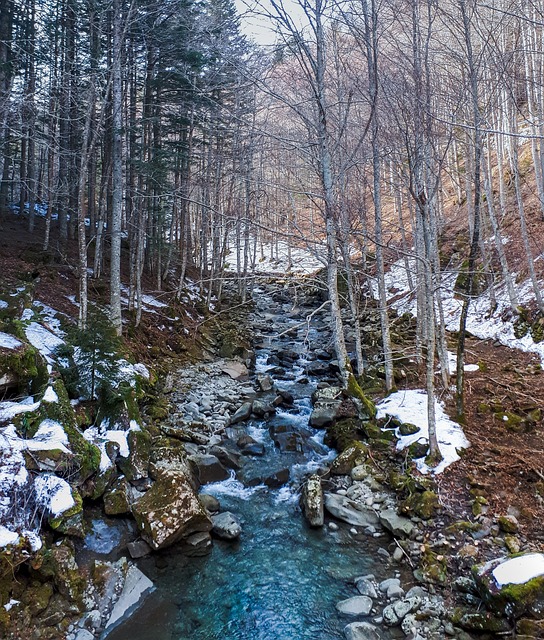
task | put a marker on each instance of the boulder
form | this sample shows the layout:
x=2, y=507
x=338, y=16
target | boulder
x=513, y=585
x=136, y=465
x=278, y=479
x=210, y=503
x=397, y=525
x=250, y=446
x=236, y=370
x=366, y=588
x=170, y=510
x=361, y=631
x=242, y=413
x=355, y=606
x=197, y=544
x=394, y=613
x=354, y=456
x=350, y=511
x=226, y=457
x=265, y=383
x=262, y=409
x=208, y=468
x=312, y=501
x=324, y=414
x=226, y=526
x=117, y=499
x=138, y=549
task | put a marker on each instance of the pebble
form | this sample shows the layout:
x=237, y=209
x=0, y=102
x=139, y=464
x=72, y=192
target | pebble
x=333, y=526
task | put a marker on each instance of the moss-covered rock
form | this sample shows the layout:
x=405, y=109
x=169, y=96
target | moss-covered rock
x=508, y=524
x=408, y=429
x=36, y=596
x=531, y=628
x=424, y=505
x=480, y=622
x=136, y=465
x=70, y=522
x=116, y=500
x=508, y=598
x=510, y=420
x=353, y=456
x=58, y=563
x=340, y=435
x=355, y=391
x=22, y=369
x=433, y=568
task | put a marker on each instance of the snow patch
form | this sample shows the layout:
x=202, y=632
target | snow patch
x=43, y=339
x=519, y=570
x=50, y=395
x=50, y=435
x=3, y=304
x=8, y=409
x=8, y=341
x=7, y=537
x=54, y=493
x=411, y=406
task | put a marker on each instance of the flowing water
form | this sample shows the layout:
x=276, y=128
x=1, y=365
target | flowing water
x=281, y=580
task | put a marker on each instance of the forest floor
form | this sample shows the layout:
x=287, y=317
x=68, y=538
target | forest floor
x=504, y=420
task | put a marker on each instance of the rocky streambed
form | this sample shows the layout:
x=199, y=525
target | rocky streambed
x=289, y=538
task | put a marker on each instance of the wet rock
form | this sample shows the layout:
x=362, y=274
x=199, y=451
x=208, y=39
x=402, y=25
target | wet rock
x=312, y=501
x=136, y=587
x=361, y=631
x=251, y=447
x=241, y=414
x=354, y=456
x=366, y=588
x=278, y=479
x=287, y=398
x=324, y=414
x=210, y=503
x=226, y=526
x=170, y=511
x=265, y=383
x=208, y=468
x=349, y=511
x=387, y=584
x=397, y=525
x=138, y=549
x=355, y=606
x=197, y=544
x=226, y=457
x=70, y=522
x=289, y=441
x=262, y=409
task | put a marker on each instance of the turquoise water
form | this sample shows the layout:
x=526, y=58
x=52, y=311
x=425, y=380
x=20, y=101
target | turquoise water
x=281, y=580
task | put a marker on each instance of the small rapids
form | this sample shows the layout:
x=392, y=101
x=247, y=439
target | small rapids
x=281, y=580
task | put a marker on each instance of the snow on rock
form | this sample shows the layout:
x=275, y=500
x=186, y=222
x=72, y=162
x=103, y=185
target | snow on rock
x=50, y=395
x=3, y=304
x=141, y=370
x=7, y=341
x=42, y=339
x=53, y=493
x=50, y=435
x=93, y=435
x=12, y=603
x=120, y=437
x=7, y=537
x=50, y=317
x=519, y=570
x=8, y=409
x=411, y=406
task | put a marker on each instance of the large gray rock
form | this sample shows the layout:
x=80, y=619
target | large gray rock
x=394, y=613
x=397, y=525
x=225, y=456
x=265, y=382
x=242, y=413
x=226, y=526
x=361, y=631
x=136, y=587
x=349, y=511
x=356, y=606
x=208, y=468
x=312, y=501
x=236, y=370
x=324, y=414
x=170, y=510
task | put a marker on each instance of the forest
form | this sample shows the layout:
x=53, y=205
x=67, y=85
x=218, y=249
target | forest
x=159, y=145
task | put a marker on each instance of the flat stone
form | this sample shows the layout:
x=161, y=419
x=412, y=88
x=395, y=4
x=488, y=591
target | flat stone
x=355, y=606
x=397, y=525
x=236, y=370
x=349, y=511
x=226, y=526
x=208, y=468
x=136, y=587
x=366, y=588
x=242, y=413
x=198, y=544
x=138, y=549
x=361, y=631
x=385, y=584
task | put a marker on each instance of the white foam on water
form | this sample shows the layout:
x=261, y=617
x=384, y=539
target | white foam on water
x=232, y=487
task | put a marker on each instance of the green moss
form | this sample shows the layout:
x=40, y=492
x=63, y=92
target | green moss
x=27, y=366
x=71, y=521
x=353, y=456
x=433, y=568
x=341, y=434
x=424, y=505
x=510, y=420
x=355, y=391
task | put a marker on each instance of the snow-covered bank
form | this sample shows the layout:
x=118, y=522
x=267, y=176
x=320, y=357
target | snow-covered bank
x=411, y=406
x=482, y=322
